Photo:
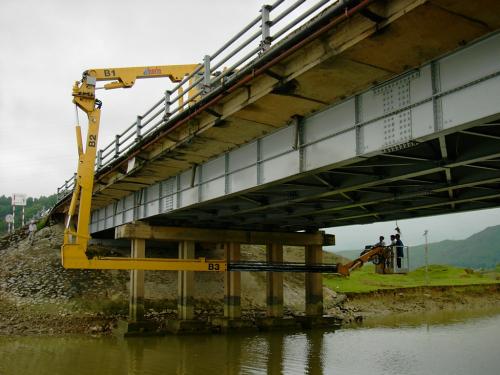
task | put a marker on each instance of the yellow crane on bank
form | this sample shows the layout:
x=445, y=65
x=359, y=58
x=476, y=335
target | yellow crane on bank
x=76, y=234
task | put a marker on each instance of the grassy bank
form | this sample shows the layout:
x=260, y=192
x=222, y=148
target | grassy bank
x=366, y=280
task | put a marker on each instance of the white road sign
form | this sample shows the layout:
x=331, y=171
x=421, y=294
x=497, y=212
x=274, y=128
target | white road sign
x=19, y=199
x=9, y=218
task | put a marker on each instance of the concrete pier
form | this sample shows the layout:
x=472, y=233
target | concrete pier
x=231, y=320
x=232, y=283
x=136, y=296
x=314, y=282
x=274, y=300
x=185, y=283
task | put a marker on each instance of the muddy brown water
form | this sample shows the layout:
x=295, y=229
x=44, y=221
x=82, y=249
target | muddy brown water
x=440, y=343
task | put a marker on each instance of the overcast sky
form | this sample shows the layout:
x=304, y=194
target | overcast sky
x=46, y=45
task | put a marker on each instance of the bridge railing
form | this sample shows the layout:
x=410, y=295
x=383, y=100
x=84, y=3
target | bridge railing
x=274, y=23
x=66, y=188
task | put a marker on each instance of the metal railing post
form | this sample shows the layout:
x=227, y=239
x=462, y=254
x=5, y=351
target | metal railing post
x=166, y=116
x=117, y=145
x=99, y=159
x=138, y=128
x=180, y=101
x=206, y=75
x=265, y=26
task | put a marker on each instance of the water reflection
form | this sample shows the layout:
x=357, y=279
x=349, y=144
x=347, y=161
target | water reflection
x=429, y=346
x=315, y=352
x=266, y=353
x=275, y=354
x=182, y=355
x=233, y=352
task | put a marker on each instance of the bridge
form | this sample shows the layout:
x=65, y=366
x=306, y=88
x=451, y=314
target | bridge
x=315, y=115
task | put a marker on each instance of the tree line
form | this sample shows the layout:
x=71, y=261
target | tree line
x=33, y=206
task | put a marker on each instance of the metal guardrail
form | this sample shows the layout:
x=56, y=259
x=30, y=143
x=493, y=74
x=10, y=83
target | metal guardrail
x=219, y=68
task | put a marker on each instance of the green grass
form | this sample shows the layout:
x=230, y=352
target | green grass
x=366, y=280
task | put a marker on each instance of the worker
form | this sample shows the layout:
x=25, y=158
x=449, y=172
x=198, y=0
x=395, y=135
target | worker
x=381, y=242
x=31, y=231
x=393, y=240
x=399, y=250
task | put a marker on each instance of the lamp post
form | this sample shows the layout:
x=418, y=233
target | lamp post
x=426, y=235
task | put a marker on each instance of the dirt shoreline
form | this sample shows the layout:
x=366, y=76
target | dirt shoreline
x=425, y=300
x=28, y=320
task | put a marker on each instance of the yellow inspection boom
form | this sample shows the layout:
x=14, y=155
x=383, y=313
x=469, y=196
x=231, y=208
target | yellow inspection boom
x=76, y=235
x=125, y=77
x=345, y=269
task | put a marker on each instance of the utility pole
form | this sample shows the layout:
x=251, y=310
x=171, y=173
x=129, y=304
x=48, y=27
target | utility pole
x=13, y=217
x=426, y=235
x=9, y=220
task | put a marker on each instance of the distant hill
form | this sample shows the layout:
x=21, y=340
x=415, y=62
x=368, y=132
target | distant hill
x=481, y=250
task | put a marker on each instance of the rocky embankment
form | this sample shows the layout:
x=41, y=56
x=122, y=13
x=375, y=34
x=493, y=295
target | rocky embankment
x=32, y=274
x=38, y=296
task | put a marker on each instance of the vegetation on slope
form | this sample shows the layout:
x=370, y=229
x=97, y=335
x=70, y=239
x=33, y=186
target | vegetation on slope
x=33, y=206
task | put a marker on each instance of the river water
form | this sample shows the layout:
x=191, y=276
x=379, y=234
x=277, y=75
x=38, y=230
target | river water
x=425, y=344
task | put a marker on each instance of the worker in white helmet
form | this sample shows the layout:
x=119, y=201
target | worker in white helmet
x=31, y=231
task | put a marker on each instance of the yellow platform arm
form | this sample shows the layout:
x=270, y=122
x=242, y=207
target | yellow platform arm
x=76, y=235
x=346, y=269
x=125, y=77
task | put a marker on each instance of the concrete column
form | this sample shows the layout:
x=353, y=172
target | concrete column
x=274, y=299
x=136, y=296
x=232, y=283
x=185, y=283
x=314, y=282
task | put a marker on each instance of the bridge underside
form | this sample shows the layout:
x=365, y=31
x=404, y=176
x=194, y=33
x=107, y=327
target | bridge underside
x=452, y=173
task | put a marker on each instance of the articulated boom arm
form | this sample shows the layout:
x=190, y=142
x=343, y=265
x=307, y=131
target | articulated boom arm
x=76, y=237
x=125, y=77
x=345, y=269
